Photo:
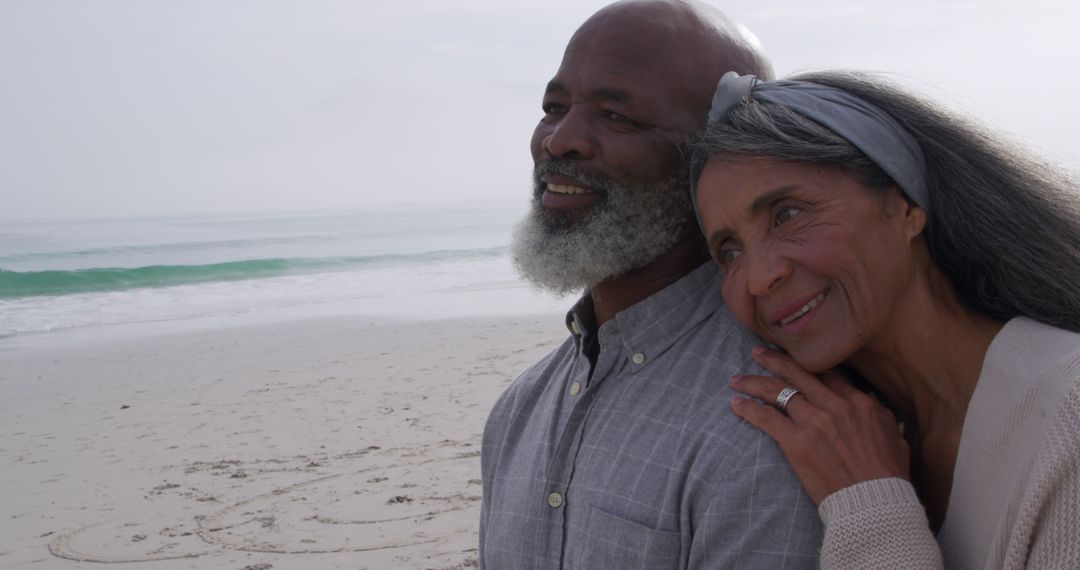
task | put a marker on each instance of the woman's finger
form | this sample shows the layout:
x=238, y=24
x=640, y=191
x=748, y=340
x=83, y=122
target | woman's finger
x=790, y=372
x=768, y=390
x=833, y=434
x=764, y=417
x=764, y=388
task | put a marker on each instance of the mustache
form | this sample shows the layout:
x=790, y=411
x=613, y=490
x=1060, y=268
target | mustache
x=569, y=169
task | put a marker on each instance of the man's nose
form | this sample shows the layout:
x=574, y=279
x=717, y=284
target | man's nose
x=571, y=137
x=766, y=271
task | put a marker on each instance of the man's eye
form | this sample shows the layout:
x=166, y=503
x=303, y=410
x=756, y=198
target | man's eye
x=617, y=117
x=785, y=214
x=553, y=109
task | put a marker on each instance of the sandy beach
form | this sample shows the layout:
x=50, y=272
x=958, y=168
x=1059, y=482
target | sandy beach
x=307, y=443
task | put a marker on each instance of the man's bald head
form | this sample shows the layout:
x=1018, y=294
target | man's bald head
x=694, y=42
x=611, y=180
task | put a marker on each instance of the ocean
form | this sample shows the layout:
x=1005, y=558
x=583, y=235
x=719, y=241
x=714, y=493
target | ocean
x=449, y=261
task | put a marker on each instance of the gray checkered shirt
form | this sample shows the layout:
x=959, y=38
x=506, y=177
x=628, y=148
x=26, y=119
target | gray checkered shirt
x=643, y=465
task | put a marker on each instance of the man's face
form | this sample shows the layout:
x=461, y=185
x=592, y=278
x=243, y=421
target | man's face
x=610, y=177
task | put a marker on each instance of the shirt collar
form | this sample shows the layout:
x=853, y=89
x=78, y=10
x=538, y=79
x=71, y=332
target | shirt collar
x=655, y=323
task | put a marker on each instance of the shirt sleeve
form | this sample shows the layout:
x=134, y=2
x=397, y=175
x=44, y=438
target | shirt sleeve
x=494, y=427
x=482, y=531
x=758, y=517
x=877, y=524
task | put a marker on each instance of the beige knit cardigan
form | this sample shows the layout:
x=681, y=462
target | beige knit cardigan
x=1015, y=500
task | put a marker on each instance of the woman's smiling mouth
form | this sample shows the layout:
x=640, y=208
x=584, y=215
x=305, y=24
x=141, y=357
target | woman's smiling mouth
x=803, y=310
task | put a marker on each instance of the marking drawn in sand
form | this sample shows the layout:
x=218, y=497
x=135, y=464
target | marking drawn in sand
x=396, y=501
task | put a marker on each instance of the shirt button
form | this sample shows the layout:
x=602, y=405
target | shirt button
x=575, y=388
x=638, y=358
x=574, y=328
x=555, y=500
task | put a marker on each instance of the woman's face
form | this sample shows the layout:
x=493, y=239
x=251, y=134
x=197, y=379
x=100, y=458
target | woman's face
x=813, y=260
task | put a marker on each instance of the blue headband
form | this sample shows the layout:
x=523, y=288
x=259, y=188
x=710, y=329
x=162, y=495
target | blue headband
x=864, y=125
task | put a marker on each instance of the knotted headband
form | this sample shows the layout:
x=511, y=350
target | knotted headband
x=868, y=128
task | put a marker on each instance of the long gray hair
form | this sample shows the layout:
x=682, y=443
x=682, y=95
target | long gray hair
x=1003, y=225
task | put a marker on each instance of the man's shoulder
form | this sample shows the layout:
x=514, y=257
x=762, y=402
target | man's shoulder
x=702, y=361
x=696, y=366
x=530, y=382
x=551, y=363
x=719, y=339
x=696, y=379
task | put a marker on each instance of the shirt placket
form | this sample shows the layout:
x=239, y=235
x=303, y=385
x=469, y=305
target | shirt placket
x=583, y=390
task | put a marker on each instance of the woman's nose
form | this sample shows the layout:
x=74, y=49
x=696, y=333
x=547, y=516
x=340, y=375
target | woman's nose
x=766, y=271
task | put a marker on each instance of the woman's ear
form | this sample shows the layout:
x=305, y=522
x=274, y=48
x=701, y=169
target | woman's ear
x=914, y=220
x=900, y=209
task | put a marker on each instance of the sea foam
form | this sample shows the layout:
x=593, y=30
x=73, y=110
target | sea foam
x=409, y=263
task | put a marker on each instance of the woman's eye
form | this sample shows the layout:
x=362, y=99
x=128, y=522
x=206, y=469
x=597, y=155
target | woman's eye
x=727, y=255
x=786, y=214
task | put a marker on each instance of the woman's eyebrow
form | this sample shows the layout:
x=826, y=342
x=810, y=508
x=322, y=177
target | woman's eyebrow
x=760, y=203
x=763, y=201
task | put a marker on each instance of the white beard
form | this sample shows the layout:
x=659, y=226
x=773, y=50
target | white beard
x=628, y=228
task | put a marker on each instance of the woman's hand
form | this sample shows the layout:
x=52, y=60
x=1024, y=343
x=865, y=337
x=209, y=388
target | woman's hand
x=833, y=434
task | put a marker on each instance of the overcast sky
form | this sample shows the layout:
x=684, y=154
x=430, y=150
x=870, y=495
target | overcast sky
x=113, y=108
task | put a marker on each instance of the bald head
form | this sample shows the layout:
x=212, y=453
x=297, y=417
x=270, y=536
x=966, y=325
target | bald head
x=611, y=201
x=694, y=43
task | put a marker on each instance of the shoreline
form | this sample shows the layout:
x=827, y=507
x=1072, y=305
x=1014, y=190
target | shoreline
x=117, y=310
x=324, y=441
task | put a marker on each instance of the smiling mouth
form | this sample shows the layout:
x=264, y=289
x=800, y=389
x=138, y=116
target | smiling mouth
x=568, y=195
x=809, y=306
x=565, y=189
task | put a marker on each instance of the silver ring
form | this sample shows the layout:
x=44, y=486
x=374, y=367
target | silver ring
x=784, y=397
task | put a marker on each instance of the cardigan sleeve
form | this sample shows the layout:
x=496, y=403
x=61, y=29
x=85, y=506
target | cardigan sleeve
x=1047, y=521
x=878, y=524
